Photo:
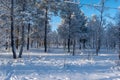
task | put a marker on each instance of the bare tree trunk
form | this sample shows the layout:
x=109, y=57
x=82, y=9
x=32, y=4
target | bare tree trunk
x=12, y=30
x=69, y=33
x=17, y=40
x=68, y=45
x=99, y=29
x=98, y=46
x=79, y=44
x=23, y=34
x=6, y=43
x=84, y=41
x=22, y=43
x=45, y=36
x=74, y=43
x=28, y=37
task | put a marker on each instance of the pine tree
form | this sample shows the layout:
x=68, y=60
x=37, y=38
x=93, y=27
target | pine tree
x=74, y=19
x=12, y=30
x=47, y=6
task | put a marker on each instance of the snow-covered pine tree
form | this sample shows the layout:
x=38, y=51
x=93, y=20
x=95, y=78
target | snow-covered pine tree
x=63, y=32
x=28, y=15
x=48, y=6
x=96, y=31
x=73, y=18
x=101, y=9
x=111, y=36
x=4, y=24
x=66, y=12
x=118, y=24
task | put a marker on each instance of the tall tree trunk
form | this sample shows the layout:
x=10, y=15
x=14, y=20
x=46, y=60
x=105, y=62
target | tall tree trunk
x=17, y=40
x=28, y=37
x=74, y=43
x=12, y=30
x=99, y=29
x=22, y=43
x=119, y=44
x=64, y=44
x=79, y=44
x=84, y=41
x=68, y=45
x=23, y=33
x=98, y=46
x=46, y=23
x=69, y=33
x=6, y=44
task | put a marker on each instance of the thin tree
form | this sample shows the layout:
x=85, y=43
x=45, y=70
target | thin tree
x=66, y=14
x=46, y=23
x=12, y=30
x=23, y=32
x=28, y=37
x=101, y=10
x=47, y=6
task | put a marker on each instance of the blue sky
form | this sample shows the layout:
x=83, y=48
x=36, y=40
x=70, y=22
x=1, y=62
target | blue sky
x=90, y=11
x=109, y=3
x=55, y=21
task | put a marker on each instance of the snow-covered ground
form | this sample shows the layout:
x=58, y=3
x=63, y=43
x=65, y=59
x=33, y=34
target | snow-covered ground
x=59, y=65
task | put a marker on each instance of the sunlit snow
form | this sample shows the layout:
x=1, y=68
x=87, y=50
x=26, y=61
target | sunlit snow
x=60, y=66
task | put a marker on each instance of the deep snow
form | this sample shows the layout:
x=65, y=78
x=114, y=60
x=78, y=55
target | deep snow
x=59, y=65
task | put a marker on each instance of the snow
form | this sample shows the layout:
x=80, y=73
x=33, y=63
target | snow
x=59, y=65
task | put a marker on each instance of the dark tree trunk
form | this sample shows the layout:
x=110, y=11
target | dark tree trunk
x=45, y=36
x=12, y=30
x=84, y=44
x=6, y=45
x=64, y=44
x=22, y=43
x=79, y=44
x=98, y=47
x=28, y=37
x=99, y=29
x=74, y=43
x=69, y=33
x=68, y=45
x=17, y=40
x=23, y=33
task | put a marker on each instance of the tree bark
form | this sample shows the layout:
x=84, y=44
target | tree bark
x=99, y=30
x=69, y=23
x=46, y=23
x=22, y=43
x=23, y=34
x=12, y=30
x=74, y=43
x=28, y=37
x=17, y=40
x=68, y=45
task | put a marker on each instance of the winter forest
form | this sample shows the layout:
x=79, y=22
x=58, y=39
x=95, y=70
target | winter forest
x=59, y=39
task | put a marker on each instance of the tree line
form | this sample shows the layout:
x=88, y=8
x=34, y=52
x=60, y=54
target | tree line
x=26, y=23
